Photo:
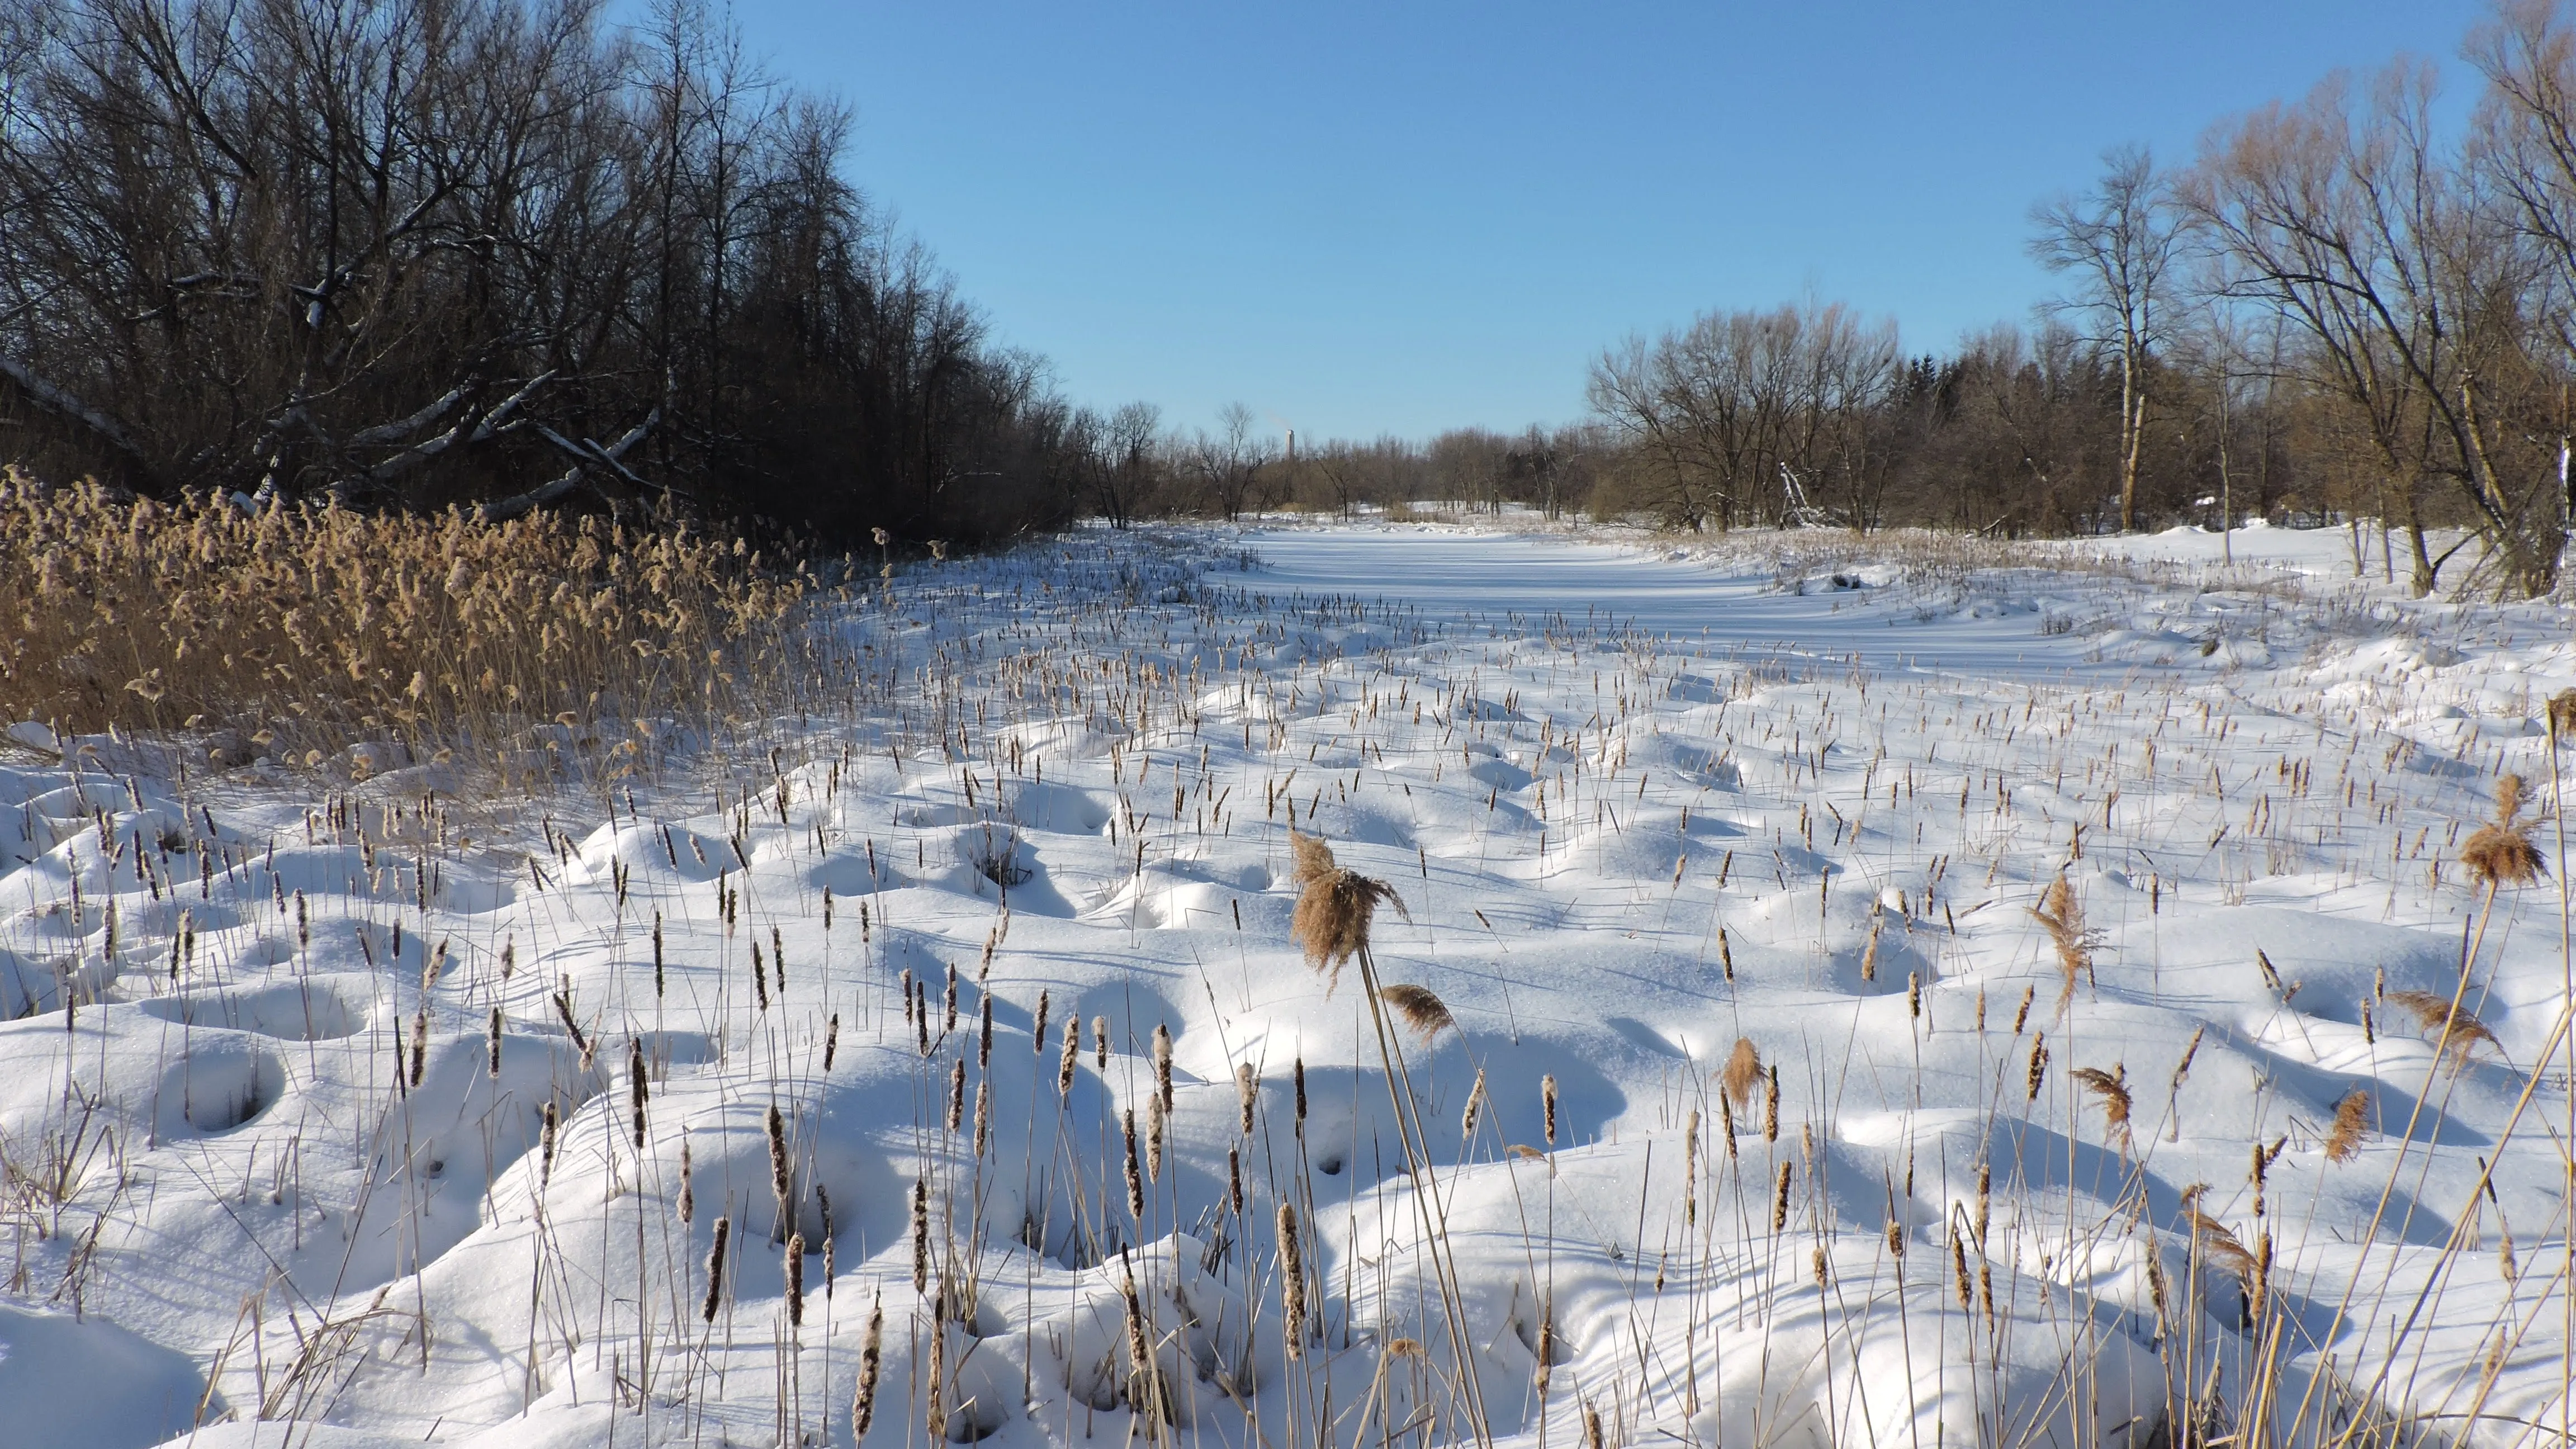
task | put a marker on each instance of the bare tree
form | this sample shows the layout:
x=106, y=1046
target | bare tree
x=2120, y=242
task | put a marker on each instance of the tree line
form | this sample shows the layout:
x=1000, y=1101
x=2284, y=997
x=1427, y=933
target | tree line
x=496, y=254
x=2334, y=311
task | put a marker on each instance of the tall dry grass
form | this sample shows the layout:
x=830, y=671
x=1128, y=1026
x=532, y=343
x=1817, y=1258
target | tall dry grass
x=306, y=630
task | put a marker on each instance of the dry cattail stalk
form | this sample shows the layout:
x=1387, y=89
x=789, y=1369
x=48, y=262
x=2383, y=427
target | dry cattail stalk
x=550, y=1120
x=863, y=1403
x=1135, y=1179
x=1547, y=1104
x=1743, y=1072
x=2351, y=1120
x=1959, y=1272
x=2458, y=1032
x=779, y=1183
x=956, y=1113
x=494, y=1057
x=934, y=1414
x=1297, y=1072
x=796, y=1281
x=1163, y=1065
x=1038, y=1027
x=688, y=1188
x=831, y=1040
x=1869, y=956
x=1100, y=1043
x=1475, y=1108
x=1780, y=1199
x=1771, y=1105
x=1592, y=1428
x=1423, y=1011
x=2112, y=1088
x=983, y=1117
x=1072, y=1055
x=921, y=1235
x=1154, y=1119
x=1234, y=1181
x=1247, y=1093
x=2038, y=1076
x=2021, y=1014
x=1985, y=1200
x=715, y=1270
x=1292, y=1284
x=636, y=1090
x=2501, y=853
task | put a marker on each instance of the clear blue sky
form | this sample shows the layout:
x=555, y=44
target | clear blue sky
x=1407, y=217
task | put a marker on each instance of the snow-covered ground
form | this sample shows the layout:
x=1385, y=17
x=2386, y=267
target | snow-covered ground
x=339, y=1114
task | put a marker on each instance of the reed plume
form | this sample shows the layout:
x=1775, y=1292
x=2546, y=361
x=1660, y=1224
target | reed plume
x=2063, y=917
x=1423, y=1011
x=1333, y=917
x=2453, y=1028
x=1743, y=1072
x=2112, y=1088
x=2501, y=853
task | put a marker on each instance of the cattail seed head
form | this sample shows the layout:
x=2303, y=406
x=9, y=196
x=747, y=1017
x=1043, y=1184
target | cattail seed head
x=863, y=1405
x=1135, y=1178
x=688, y=1190
x=1292, y=1283
x=776, y=1123
x=549, y=1120
x=1163, y=1066
x=1299, y=1073
x=1247, y=1093
x=956, y=1116
x=796, y=1280
x=2351, y=1120
x=920, y=1235
x=831, y=1040
x=1547, y=1105
x=493, y=1065
x=715, y=1270
x=636, y=1090
x=1771, y=1105
x=1475, y=1107
x=1038, y=1029
x=983, y=1117
x=1072, y=1055
x=1100, y=1043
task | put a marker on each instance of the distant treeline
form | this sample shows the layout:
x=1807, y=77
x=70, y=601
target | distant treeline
x=494, y=253
x=2334, y=313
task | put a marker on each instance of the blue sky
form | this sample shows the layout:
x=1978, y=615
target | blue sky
x=1401, y=218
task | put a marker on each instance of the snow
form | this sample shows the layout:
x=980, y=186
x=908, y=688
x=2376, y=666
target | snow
x=1639, y=799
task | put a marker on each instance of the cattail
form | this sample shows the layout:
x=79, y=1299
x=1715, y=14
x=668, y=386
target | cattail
x=863, y=1405
x=1725, y=956
x=1547, y=1104
x=1038, y=1031
x=1780, y=1199
x=831, y=1040
x=759, y=978
x=2113, y=1090
x=984, y=1034
x=1592, y=1428
x=948, y=1001
x=2259, y=1176
x=636, y=1091
x=1743, y=1072
x=1820, y=1264
x=1690, y=1170
x=1771, y=1105
x=1424, y=1012
x=776, y=1123
x=830, y=1273
x=1869, y=956
x=2021, y=1014
x=1154, y=1119
x=549, y=1120
x=493, y=1056
x=1914, y=995
x=1247, y=1094
x=1475, y=1106
x=688, y=1189
x=2038, y=1065
x=920, y=1235
x=1135, y=1178
x=1163, y=1066
x=1146, y=1394
x=983, y=1117
x=796, y=1280
x=903, y=988
x=956, y=1116
x=715, y=1270
x=1072, y=1056
x=2351, y=1119
x=1292, y=1284
x=1298, y=1071
x=419, y=1042
x=1100, y=1043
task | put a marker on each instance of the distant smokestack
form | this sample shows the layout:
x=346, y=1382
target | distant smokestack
x=1292, y=445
